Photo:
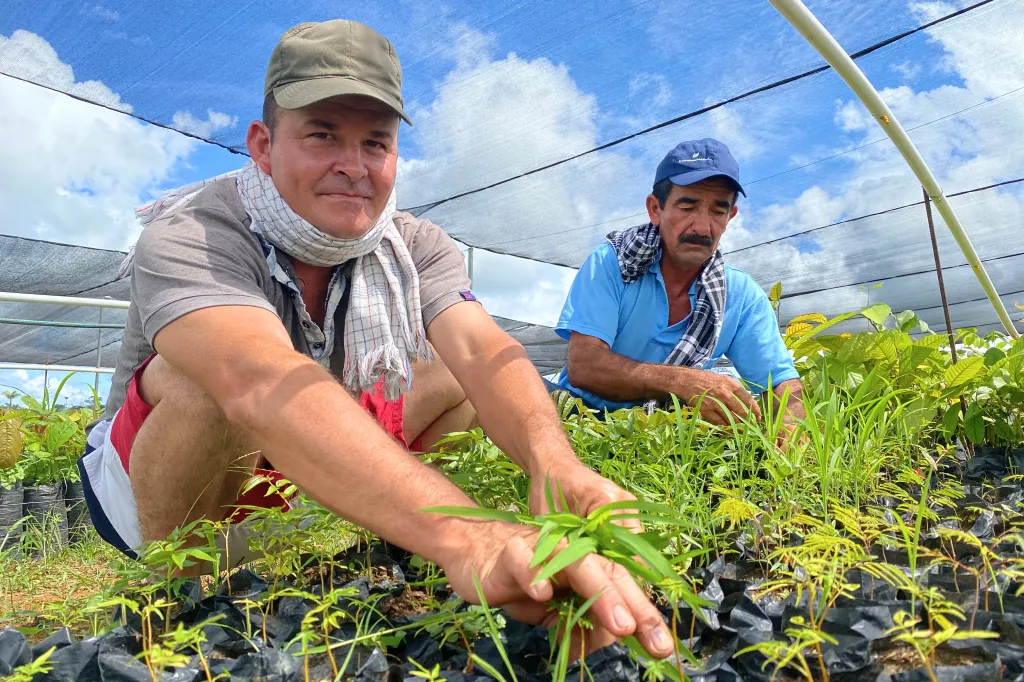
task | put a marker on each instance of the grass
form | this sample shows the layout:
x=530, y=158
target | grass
x=38, y=596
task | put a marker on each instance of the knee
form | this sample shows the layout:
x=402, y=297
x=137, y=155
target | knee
x=436, y=380
x=163, y=384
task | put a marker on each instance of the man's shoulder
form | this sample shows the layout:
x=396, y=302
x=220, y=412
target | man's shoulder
x=213, y=217
x=741, y=283
x=422, y=236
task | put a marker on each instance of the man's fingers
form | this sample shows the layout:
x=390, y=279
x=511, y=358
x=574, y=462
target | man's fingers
x=517, y=557
x=749, y=401
x=650, y=630
x=622, y=607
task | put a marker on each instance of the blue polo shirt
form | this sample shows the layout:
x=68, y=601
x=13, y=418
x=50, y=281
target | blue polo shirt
x=633, y=320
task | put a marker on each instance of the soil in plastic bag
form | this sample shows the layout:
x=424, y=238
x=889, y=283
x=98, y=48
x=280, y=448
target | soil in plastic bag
x=79, y=520
x=11, y=525
x=44, y=505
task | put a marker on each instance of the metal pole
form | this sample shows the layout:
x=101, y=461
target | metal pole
x=818, y=36
x=469, y=265
x=938, y=273
x=945, y=308
x=10, y=297
x=35, y=367
x=99, y=352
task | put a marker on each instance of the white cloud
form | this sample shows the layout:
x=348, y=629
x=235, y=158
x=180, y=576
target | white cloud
x=652, y=89
x=29, y=56
x=517, y=115
x=908, y=70
x=100, y=12
x=215, y=121
x=70, y=171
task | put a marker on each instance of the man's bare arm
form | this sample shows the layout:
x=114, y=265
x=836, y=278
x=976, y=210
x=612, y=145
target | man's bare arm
x=594, y=367
x=795, y=401
x=308, y=425
x=502, y=384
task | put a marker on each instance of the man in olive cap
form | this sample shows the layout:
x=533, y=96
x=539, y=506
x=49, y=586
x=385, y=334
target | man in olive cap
x=280, y=313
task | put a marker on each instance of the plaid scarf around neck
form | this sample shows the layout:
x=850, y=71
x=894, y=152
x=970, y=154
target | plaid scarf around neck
x=384, y=330
x=636, y=249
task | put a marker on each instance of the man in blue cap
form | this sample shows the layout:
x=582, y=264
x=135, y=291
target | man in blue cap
x=654, y=307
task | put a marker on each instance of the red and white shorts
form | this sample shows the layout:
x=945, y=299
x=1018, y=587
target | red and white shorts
x=107, y=460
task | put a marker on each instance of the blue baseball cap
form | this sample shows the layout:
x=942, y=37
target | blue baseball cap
x=696, y=160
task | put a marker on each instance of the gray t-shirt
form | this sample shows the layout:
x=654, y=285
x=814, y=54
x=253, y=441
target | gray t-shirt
x=205, y=255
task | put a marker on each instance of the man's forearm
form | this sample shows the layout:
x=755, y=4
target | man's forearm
x=514, y=408
x=320, y=439
x=617, y=378
x=795, y=399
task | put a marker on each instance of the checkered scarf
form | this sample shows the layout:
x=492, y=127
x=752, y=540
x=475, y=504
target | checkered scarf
x=384, y=330
x=636, y=249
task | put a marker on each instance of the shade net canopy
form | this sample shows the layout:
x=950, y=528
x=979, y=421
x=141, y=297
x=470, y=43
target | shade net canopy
x=61, y=270
x=538, y=126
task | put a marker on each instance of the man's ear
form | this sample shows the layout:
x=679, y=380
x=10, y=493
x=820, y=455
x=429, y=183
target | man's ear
x=734, y=211
x=654, y=210
x=257, y=141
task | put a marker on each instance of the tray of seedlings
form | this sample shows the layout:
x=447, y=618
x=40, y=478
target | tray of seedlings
x=883, y=541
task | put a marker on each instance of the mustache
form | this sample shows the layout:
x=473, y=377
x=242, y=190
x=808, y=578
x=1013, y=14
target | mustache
x=698, y=239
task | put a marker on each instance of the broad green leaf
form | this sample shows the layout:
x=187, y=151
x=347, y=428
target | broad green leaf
x=11, y=442
x=993, y=355
x=775, y=294
x=951, y=420
x=878, y=313
x=932, y=341
x=974, y=423
x=831, y=323
x=964, y=371
x=814, y=318
x=577, y=549
x=906, y=320
x=59, y=433
x=798, y=328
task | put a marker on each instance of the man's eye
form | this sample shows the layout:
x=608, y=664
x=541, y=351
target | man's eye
x=374, y=143
x=321, y=136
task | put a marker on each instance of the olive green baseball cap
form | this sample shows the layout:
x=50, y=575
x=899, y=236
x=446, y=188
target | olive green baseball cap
x=316, y=61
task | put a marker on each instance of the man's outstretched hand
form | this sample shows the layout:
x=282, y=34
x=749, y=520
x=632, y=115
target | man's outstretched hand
x=498, y=554
x=584, y=489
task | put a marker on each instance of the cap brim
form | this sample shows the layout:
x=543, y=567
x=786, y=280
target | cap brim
x=692, y=178
x=306, y=92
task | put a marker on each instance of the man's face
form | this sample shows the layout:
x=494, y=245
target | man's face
x=333, y=162
x=693, y=220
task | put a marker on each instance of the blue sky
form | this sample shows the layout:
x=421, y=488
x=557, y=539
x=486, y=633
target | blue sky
x=497, y=88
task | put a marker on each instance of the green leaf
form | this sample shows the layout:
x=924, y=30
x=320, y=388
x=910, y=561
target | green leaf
x=776, y=292
x=878, y=313
x=577, y=549
x=906, y=320
x=993, y=355
x=59, y=433
x=931, y=341
x=974, y=423
x=963, y=371
x=546, y=544
x=951, y=420
x=635, y=544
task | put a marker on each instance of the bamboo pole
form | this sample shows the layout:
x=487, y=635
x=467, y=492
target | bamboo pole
x=804, y=21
